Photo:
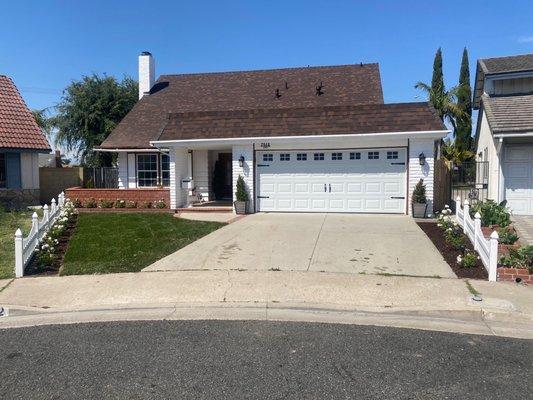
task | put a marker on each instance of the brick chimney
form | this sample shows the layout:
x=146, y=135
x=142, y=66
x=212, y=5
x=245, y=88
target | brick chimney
x=146, y=73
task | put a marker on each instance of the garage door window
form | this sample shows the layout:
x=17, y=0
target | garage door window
x=336, y=156
x=355, y=156
x=373, y=155
x=392, y=155
x=268, y=157
x=319, y=156
x=284, y=157
x=301, y=157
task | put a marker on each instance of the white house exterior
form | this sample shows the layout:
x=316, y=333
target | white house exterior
x=314, y=139
x=504, y=136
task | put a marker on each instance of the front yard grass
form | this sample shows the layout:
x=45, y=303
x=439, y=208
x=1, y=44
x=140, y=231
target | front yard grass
x=128, y=242
x=9, y=222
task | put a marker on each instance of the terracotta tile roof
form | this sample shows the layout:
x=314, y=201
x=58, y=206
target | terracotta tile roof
x=245, y=90
x=509, y=114
x=18, y=128
x=326, y=120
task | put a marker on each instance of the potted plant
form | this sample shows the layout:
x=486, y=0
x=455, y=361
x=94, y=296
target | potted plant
x=419, y=200
x=241, y=197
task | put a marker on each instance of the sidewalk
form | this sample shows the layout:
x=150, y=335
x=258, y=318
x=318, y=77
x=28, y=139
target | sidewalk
x=427, y=303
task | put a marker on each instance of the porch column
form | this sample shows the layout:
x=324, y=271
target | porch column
x=179, y=167
x=417, y=171
x=246, y=171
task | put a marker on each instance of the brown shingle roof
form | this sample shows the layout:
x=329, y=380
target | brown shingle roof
x=327, y=120
x=18, y=128
x=508, y=114
x=245, y=90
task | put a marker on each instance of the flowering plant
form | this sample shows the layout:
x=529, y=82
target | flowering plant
x=160, y=204
x=468, y=259
x=120, y=204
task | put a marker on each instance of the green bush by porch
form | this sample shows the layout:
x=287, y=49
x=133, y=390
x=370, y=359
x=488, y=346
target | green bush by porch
x=109, y=242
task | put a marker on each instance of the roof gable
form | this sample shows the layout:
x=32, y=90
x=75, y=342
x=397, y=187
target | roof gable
x=245, y=90
x=18, y=129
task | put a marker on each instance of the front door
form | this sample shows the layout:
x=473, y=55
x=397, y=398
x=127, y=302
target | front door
x=225, y=161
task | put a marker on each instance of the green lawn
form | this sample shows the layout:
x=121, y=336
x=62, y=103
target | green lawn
x=9, y=222
x=128, y=242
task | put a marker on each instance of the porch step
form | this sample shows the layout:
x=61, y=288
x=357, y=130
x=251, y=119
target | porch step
x=205, y=209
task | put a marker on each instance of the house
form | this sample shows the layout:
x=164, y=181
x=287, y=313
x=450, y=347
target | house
x=21, y=141
x=313, y=139
x=503, y=95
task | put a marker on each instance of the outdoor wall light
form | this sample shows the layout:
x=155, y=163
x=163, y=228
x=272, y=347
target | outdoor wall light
x=241, y=161
x=421, y=158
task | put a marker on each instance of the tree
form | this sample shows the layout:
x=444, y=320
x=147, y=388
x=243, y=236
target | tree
x=463, y=131
x=89, y=110
x=43, y=121
x=437, y=80
x=453, y=153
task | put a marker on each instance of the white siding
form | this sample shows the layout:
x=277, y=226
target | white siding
x=179, y=169
x=510, y=86
x=247, y=170
x=29, y=166
x=200, y=171
x=122, y=162
x=132, y=179
x=417, y=171
x=486, y=142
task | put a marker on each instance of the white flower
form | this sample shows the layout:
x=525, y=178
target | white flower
x=459, y=259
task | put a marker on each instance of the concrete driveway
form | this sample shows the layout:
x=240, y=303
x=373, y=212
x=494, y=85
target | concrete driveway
x=346, y=243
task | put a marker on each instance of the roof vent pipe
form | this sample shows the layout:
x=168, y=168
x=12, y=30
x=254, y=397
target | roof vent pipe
x=146, y=73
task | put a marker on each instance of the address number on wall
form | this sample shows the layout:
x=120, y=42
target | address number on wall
x=265, y=145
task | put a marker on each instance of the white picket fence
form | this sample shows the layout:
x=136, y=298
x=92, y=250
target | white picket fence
x=486, y=248
x=25, y=246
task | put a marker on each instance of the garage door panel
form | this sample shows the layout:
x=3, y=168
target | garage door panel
x=357, y=185
x=518, y=178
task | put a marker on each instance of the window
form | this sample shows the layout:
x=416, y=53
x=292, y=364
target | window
x=268, y=157
x=336, y=156
x=301, y=156
x=355, y=156
x=3, y=179
x=319, y=156
x=284, y=157
x=153, y=170
x=373, y=155
x=165, y=170
x=392, y=155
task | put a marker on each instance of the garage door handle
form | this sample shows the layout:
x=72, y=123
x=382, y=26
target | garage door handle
x=263, y=197
x=330, y=187
x=397, y=163
x=397, y=197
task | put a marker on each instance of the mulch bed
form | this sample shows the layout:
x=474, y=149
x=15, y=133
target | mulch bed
x=34, y=269
x=436, y=235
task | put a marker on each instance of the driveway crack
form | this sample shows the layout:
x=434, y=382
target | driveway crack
x=316, y=242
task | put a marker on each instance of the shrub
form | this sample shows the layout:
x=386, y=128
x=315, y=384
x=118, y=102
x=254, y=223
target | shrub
x=454, y=239
x=160, y=204
x=131, y=204
x=444, y=219
x=519, y=258
x=468, y=259
x=419, y=193
x=146, y=204
x=492, y=213
x=77, y=203
x=120, y=203
x=241, y=194
x=106, y=203
x=507, y=235
x=90, y=203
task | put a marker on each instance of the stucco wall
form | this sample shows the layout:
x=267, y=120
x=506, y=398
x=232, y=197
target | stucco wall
x=55, y=180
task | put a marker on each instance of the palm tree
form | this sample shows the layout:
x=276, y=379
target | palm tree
x=444, y=102
x=454, y=154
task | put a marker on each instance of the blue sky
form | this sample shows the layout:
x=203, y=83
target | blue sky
x=47, y=44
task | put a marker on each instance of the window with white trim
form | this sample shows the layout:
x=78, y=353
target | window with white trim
x=373, y=155
x=318, y=156
x=301, y=157
x=392, y=155
x=336, y=156
x=165, y=170
x=285, y=157
x=268, y=157
x=355, y=156
x=153, y=170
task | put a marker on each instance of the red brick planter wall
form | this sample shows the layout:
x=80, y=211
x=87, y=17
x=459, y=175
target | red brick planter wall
x=510, y=274
x=138, y=195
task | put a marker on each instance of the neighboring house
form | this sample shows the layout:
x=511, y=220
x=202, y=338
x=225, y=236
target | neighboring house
x=21, y=141
x=315, y=139
x=504, y=137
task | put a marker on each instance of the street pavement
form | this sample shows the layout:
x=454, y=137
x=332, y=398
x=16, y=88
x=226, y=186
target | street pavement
x=258, y=360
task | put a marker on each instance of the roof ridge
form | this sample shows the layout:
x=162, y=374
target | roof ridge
x=273, y=69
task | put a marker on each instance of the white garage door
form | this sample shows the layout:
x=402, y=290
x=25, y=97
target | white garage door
x=518, y=177
x=359, y=180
